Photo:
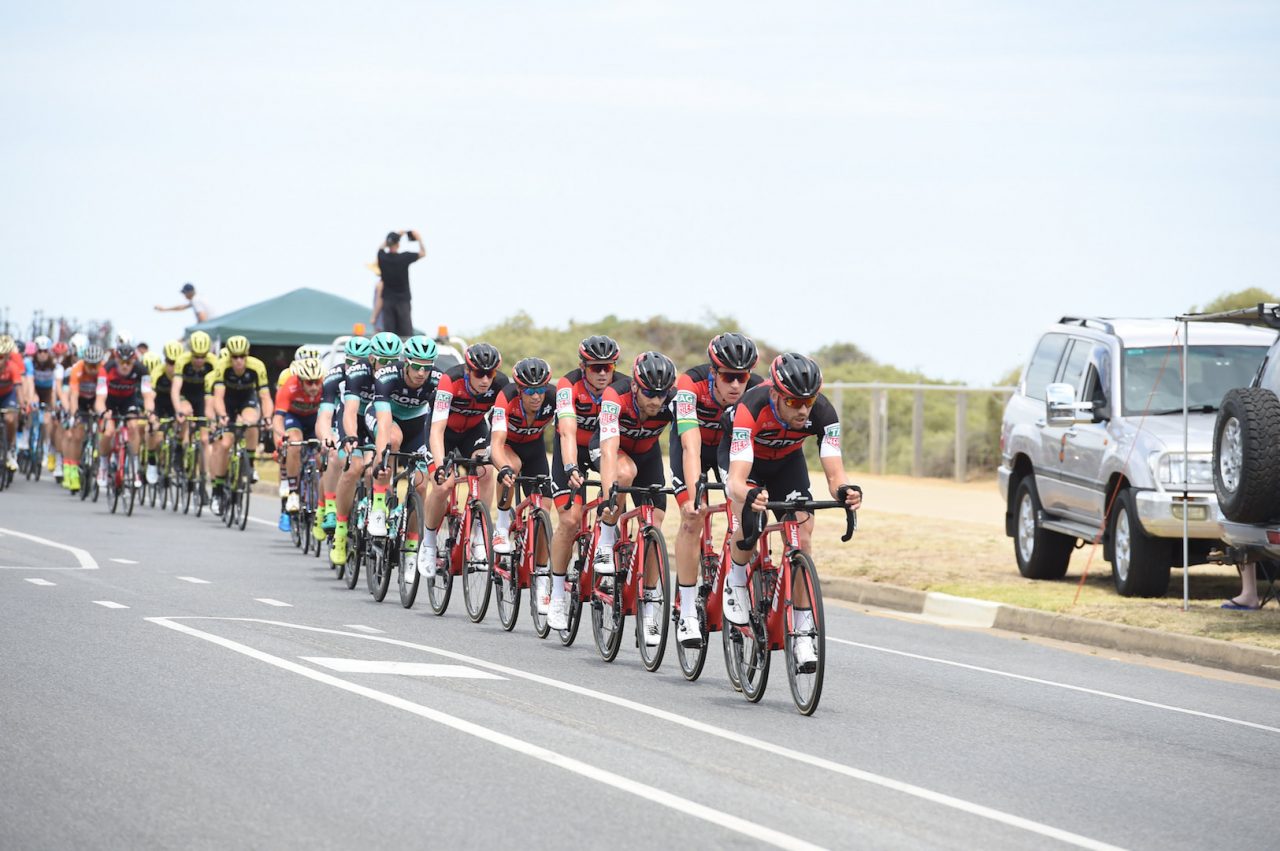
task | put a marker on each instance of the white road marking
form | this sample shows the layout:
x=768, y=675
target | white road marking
x=362, y=628
x=263, y=522
x=919, y=792
x=107, y=604
x=1083, y=690
x=404, y=669
x=271, y=602
x=749, y=829
x=124, y=561
x=193, y=580
x=41, y=582
x=82, y=556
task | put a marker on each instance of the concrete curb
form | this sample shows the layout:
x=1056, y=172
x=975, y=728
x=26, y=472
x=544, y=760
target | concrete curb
x=1211, y=652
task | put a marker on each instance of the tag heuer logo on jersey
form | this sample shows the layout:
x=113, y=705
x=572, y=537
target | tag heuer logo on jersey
x=686, y=406
x=741, y=441
x=832, y=436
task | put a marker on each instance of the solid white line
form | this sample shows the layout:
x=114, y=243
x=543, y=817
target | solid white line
x=124, y=561
x=750, y=829
x=919, y=792
x=41, y=582
x=362, y=628
x=82, y=556
x=1054, y=684
x=107, y=604
x=263, y=522
x=271, y=602
x=193, y=580
x=403, y=669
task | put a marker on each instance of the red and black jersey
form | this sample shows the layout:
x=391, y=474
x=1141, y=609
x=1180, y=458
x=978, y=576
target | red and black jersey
x=620, y=418
x=696, y=405
x=122, y=386
x=521, y=426
x=466, y=409
x=575, y=398
x=758, y=434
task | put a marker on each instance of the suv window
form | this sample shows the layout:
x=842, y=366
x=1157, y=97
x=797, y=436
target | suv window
x=1073, y=370
x=1153, y=377
x=1044, y=364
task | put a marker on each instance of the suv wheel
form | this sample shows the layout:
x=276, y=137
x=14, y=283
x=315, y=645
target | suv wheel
x=1041, y=554
x=1246, y=463
x=1139, y=563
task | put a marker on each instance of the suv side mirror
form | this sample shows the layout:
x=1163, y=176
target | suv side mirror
x=1061, y=408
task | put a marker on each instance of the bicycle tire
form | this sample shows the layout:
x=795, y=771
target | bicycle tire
x=382, y=576
x=113, y=487
x=355, y=558
x=654, y=547
x=246, y=487
x=477, y=585
x=409, y=586
x=806, y=687
x=35, y=447
x=130, y=477
x=693, y=659
x=753, y=662
x=440, y=586
x=570, y=633
x=542, y=531
x=608, y=620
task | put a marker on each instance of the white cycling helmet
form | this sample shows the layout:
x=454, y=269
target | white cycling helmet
x=78, y=341
x=43, y=343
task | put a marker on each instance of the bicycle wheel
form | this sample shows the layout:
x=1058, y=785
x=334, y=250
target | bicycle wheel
x=380, y=570
x=541, y=544
x=355, y=558
x=295, y=532
x=35, y=447
x=806, y=681
x=407, y=575
x=659, y=597
x=753, y=660
x=477, y=563
x=692, y=659
x=440, y=586
x=607, y=617
x=113, y=485
x=573, y=587
x=130, y=481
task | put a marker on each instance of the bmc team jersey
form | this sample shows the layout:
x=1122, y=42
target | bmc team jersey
x=620, y=418
x=510, y=416
x=293, y=398
x=758, y=434
x=393, y=393
x=465, y=408
x=121, y=387
x=696, y=405
x=575, y=398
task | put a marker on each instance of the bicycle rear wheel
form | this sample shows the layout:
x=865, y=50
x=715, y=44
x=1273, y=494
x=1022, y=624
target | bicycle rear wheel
x=753, y=660
x=540, y=579
x=805, y=681
x=246, y=487
x=659, y=597
x=130, y=481
x=573, y=585
x=440, y=586
x=477, y=564
x=355, y=558
x=380, y=569
x=407, y=575
x=113, y=483
x=692, y=659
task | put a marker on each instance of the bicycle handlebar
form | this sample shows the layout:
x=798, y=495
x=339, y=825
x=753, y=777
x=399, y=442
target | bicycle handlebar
x=753, y=529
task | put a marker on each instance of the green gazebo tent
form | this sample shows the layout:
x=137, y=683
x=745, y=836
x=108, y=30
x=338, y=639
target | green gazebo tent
x=300, y=316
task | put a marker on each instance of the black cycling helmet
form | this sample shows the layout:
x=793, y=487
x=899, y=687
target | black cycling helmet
x=482, y=357
x=532, y=372
x=732, y=351
x=124, y=351
x=796, y=375
x=654, y=372
x=598, y=349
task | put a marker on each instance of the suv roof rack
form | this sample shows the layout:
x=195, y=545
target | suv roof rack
x=1262, y=314
x=1088, y=322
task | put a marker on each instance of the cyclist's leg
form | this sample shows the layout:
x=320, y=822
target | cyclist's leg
x=250, y=415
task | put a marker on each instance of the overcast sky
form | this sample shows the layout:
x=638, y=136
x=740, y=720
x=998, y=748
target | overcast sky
x=932, y=181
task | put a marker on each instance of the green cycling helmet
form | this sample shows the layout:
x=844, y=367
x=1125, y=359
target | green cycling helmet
x=357, y=348
x=386, y=346
x=420, y=347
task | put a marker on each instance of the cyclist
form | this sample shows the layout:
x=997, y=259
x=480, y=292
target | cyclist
x=634, y=411
x=466, y=394
x=163, y=370
x=300, y=354
x=330, y=433
x=402, y=400
x=578, y=396
x=123, y=386
x=763, y=455
x=12, y=394
x=43, y=372
x=65, y=360
x=702, y=395
x=78, y=399
x=357, y=418
x=519, y=418
x=187, y=389
x=241, y=395
x=297, y=401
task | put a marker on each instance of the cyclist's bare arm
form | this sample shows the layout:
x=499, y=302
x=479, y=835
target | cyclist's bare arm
x=264, y=398
x=435, y=441
x=175, y=392
x=833, y=468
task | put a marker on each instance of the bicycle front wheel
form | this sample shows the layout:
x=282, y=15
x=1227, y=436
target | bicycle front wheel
x=130, y=482
x=655, y=601
x=440, y=586
x=805, y=676
x=246, y=486
x=607, y=617
x=753, y=660
x=540, y=577
x=477, y=566
x=350, y=572
x=407, y=576
x=692, y=659
x=573, y=584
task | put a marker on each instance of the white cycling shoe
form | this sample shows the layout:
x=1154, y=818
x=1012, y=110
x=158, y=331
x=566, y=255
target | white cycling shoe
x=689, y=632
x=652, y=635
x=602, y=562
x=153, y=474
x=376, y=525
x=542, y=593
x=805, y=653
x=501, y=543
x=558, y=613
x=734, y=604
x=427, y=562
x=292, y=503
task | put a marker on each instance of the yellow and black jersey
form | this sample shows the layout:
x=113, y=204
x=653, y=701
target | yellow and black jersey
x=193, y=377
x=253, y=379
x=161, y=381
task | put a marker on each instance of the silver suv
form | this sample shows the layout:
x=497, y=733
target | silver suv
x=1092, y=444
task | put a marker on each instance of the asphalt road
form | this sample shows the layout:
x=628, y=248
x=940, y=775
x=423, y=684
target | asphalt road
x=168, y=682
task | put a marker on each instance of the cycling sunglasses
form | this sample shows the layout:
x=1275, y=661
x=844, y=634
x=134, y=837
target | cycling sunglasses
x=734, y=377
x=536, y=391
x=483, y=373
x=417, y=366
x=598, y=367
x=799, y=401
x=652, y=394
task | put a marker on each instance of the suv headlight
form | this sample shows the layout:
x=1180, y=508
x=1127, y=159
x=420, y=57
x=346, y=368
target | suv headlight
x=1173, y=468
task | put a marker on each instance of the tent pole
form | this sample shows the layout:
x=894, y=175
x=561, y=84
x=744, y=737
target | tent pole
x=1186, y=474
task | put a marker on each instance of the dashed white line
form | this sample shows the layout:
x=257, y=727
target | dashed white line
x=193, y=580
x=108, y=604
x=124, y=561
x=41, y=582
x=271, y=602
x=359, y=627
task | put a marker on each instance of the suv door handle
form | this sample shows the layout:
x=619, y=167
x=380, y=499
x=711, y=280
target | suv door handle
x=1041, y=423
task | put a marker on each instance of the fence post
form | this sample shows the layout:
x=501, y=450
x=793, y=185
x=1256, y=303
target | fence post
x=873, y=433
x=917, y=435
x=884, y=432
x=962, y=435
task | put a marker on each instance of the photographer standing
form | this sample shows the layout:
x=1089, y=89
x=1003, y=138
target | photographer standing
x=394, y=267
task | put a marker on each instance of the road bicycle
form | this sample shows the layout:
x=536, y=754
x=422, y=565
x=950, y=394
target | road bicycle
x=123, y=481
x=192, y=479
x=641, y=578
x=6, y=439
x=357, y=540
x=467, y=547
x=239, y=480
x=33, y=460
x=405, y=526
x=528, y=564
x=772, y=592
x=710, y=588
x=89, y=456
x=579, y=578
x=300, y=521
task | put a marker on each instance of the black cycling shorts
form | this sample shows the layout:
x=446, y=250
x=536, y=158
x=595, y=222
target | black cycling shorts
x=468, y=442
x=533, y=462
x=586, y=464
x=676, y=450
